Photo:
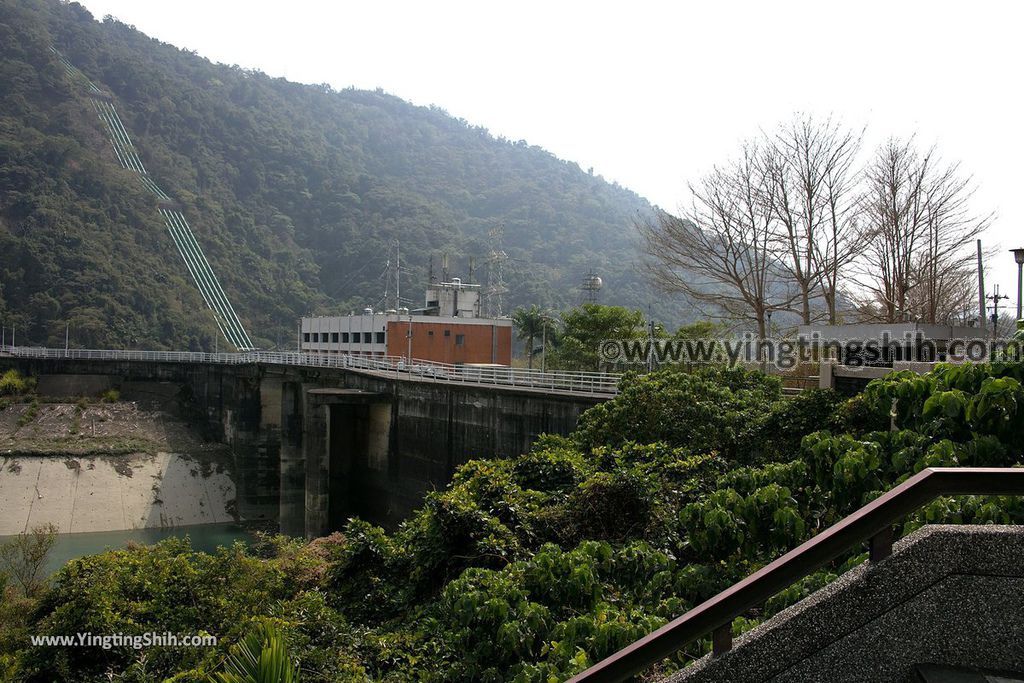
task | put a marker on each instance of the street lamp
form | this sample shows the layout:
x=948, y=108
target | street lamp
x=1018, y=255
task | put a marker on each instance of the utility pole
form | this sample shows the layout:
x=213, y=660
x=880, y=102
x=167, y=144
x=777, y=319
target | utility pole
x=543, y=343
x=67, y=339
x=398, y=275
x=981, y=290
x=995, y=298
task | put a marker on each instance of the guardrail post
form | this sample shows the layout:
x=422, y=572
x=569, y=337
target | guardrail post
x=721, y=639
x=880, y=546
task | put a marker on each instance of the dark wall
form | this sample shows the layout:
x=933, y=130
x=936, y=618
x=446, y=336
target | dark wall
x=385, y=459
x=437, y=427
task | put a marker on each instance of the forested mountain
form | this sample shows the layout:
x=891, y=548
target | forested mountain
x=295, y=192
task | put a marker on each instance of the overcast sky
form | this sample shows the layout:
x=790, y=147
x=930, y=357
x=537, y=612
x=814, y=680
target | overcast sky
x=653, y=94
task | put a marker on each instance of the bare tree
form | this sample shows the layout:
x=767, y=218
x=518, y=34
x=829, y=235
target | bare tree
x=1005, y=326
x=24, y=556
x=723, y=251
x=809, y=168
x=945, y=278
x=844, y=237
x=917, y=264
x=892, y=206
x=950, y=299
x=793, y=223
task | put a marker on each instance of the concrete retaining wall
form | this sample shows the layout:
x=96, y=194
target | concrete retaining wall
x=94, y=493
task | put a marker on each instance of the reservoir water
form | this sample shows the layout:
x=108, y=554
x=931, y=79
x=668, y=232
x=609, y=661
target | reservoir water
x=205, y=537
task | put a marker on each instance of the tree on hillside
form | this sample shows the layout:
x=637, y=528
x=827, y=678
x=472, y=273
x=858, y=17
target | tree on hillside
x=585, y=327
x=918, y=262
x=724, y=251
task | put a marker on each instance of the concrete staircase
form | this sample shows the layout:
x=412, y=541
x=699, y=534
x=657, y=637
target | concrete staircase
x=946, y=607
x=929, y=673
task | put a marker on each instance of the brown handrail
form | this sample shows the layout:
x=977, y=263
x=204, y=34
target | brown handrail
x=872, y=522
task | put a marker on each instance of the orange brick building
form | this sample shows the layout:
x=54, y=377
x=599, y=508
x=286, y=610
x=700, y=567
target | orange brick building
x=454, y=341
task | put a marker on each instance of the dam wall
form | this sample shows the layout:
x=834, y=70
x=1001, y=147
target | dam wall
x=313, y=446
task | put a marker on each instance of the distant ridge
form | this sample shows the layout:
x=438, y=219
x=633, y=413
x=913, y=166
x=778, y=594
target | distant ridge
x=301, y=189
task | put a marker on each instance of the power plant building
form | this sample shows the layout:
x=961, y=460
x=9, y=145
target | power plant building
x=447, y=329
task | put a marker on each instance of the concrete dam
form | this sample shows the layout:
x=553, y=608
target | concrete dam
x=313, y=446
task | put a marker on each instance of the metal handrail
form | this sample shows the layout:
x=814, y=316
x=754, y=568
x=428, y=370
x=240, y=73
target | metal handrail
x=598, y=383
x=873, y=522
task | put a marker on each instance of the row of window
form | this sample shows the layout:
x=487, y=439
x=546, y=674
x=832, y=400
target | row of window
x=343, y=337
x=367, y=337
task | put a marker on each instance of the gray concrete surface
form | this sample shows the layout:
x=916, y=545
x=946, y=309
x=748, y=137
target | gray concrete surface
x=101, y=493
x=949, y=595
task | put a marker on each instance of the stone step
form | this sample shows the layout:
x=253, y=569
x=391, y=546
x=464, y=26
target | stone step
x=932, y=673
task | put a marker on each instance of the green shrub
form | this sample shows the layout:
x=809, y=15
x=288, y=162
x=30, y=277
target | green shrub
x=165, y=587
x=30, y=413
x=778, y=434
x=550, y=469
x=110, y=396
x=13, y=384
x=550, y=616
x=366, y=580
x=260, y=657
x=23, y=556
x=858, y=415
x=612, y=506
x=704, y=411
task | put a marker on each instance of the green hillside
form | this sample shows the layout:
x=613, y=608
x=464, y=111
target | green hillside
x=294, y=191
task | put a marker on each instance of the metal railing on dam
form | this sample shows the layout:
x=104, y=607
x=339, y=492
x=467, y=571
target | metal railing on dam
x=400, y=368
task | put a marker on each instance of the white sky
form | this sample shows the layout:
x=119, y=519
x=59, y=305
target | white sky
x=651, y=94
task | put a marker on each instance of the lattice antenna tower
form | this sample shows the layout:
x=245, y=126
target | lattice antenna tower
x=496, y=272
x=392, y=275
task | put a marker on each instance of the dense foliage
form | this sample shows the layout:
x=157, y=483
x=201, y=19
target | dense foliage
x=13, y=384
x=534, y=567
x=295, y=192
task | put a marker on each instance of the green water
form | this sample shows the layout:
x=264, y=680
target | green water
x=205, y=537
